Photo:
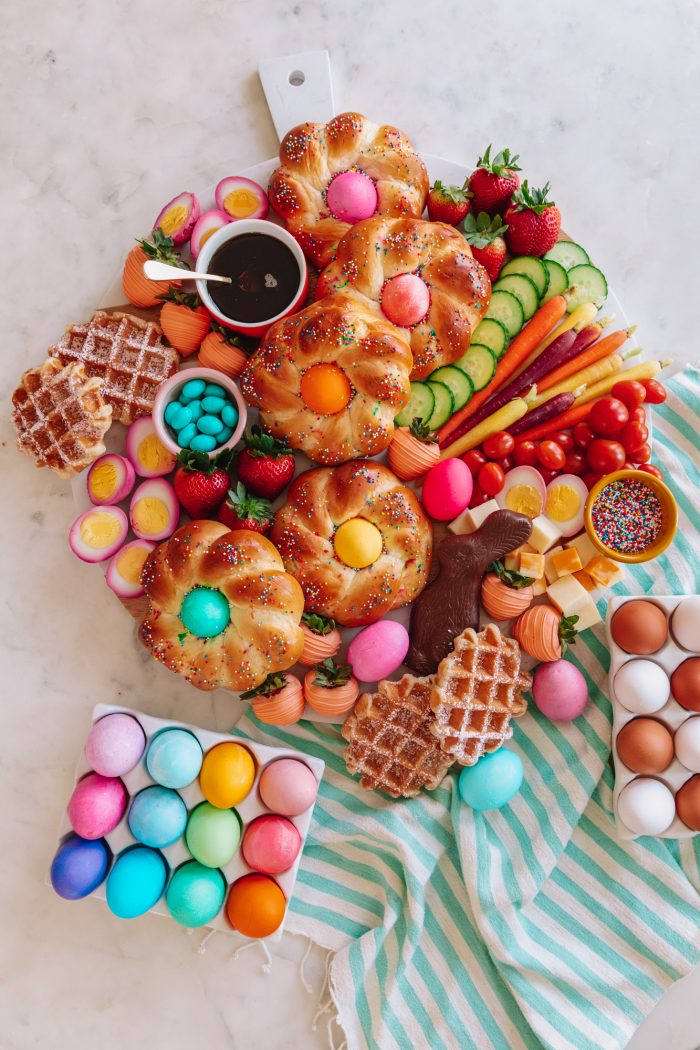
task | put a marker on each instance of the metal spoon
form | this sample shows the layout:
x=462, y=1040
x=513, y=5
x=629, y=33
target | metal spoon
x=160, y=271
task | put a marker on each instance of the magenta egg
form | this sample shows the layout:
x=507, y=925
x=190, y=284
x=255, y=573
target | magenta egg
x=271, y=844
x=447, y=489
x=97, y=805
x=351, y=196
x=378, y=650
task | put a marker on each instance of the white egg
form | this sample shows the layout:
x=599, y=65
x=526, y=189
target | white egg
x=646, y=806
x=642, y=686
x=685, y=623
x=687, y=744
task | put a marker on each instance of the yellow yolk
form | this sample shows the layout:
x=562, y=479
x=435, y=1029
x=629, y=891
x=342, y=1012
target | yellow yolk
x=99, y=530
x=563, y=503
x=150, y=515
x=153, y=455
x=241, y=203
x=103, y=480
x=524, y=499
x=206, y=235
x=130, y=563
x=173, y=219
x=325, y=389
x=358, y=543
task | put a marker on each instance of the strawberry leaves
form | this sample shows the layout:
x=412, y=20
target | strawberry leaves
x=199, y=462
x=525, y=199
x=246, y=506
x=454, y=194
x=330, y=675
x=189, y=299
x=161, y=248
x=567, y=632
x=318, y=624
x=482, y=230
x=259, y=443
x=501, y=164
x=510, y=577
x=272, y=684
x=421, y=431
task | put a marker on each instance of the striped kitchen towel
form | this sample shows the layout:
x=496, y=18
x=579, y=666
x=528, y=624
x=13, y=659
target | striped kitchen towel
x=529, y=926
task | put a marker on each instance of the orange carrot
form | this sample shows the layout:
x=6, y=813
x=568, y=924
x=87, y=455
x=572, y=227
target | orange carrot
x=596, y=352
x=564, y=421
x=522, y=346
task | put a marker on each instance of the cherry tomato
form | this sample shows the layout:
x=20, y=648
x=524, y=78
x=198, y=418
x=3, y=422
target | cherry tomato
x=605, y=456
x=656, y=391
x=633, y=437
x=630, y=392
x=590, y=478
x=575, y=462
x=650, y=468
x=506, y=463
x=498, y=445
x=628, y=466
x=474, y=460
x=608, y=416
x=641, y=454
x=548, y=475
x=638, y=415
x=478, y=497
x=564, y=440
x=491, y=478
x=525, y=454
x=583, y=435
x=551, y=455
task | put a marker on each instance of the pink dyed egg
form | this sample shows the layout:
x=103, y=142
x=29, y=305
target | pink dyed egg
x=405, y=300
x=271, y=844
x=447, y=489
x=96, y=805
x=115, y=744
x=378, y=650
x=288, y=787
x=352, y=196
x=559, y=690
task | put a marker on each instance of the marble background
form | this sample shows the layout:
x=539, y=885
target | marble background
x=109, y=110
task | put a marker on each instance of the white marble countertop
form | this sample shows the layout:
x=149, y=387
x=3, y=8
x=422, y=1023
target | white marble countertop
x=110, y=110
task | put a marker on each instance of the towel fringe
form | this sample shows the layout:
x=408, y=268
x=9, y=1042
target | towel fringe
x=325, y=999
x=203, y=943
x=308, y=987
x=267, y=965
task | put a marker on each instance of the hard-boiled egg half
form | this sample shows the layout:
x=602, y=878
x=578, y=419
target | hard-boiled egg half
x=523, y=491
x=565, y=503
x=241, y=198
x=154, y=512
x=124, y=571
x=98, y=533
x=110, y=479
x=205, y=226
x=177, y=219
x=148, y=454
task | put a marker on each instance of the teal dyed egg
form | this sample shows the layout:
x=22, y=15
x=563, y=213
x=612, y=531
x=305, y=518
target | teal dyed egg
x=195, y=388
x=185, y=436
x=214, y=390
x=212, y=835
x=136, y=882
x=157, y=816
x=195, y=894
x=213, y=404
x=203, y=443
x=174, y=758
x=492, y=781
x=229, y=415
x=209, y=425
x=205, y=612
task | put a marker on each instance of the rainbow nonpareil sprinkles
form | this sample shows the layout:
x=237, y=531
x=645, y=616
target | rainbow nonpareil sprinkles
x=627, y=516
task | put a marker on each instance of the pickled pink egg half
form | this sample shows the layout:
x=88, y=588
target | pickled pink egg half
x=148, y=454
x=124, y=571
x=154, y=512
x=98, y=533
x=110, y=479
x=205, y=226
x=241, y=198
x=178, y=217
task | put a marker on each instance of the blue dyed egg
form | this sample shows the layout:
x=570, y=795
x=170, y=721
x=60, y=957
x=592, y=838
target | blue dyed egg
x=209, y=425
x=229, y=415
x=203, y=442
x=157, y=816
x=492, y=781
x=186, y=435
x=174, y=758
x=205, y=612
x=195, y=894
x=214, y=404
x=214, y=390
x=195, y=388
x=79, y=867
x=136, y=882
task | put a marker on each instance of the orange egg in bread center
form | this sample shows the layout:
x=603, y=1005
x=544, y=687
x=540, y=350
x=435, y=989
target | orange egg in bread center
x=325, y=389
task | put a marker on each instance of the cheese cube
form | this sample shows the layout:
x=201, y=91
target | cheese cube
x=544, y=534
x=568, y=595
x=605, y=572
x=532, y=565
x=472, y=518
x=586, y=550
x=550, y=572
x=588, y=614
x=512, y=560
x=566, y=561
x=585, y=580
x=539, y=586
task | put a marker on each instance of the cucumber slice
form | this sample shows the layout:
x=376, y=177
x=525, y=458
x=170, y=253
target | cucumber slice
x=567, y=254
x=479, y=363
x=457, y=381
x=491, y=333
x=444, y=404
x=504, y=307
x=589, y=284
x=420, y=404
x=524, y=290
x=531, y=267
x=558, y=279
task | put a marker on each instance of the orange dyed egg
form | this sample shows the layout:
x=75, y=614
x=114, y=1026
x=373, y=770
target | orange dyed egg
x=255, y=905
x=325, y=389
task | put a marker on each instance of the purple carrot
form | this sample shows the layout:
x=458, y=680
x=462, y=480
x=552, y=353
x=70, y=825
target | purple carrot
x=543, y=413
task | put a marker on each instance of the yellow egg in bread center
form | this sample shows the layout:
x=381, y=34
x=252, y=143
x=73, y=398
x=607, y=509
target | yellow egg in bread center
x=358, y=543
x=325, y=389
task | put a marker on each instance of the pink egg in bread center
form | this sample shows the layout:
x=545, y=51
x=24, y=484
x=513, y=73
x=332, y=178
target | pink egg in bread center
x=351, y=196
x=405, y=300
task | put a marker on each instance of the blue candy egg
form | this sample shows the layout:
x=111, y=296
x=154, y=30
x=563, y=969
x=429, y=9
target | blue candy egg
x=174, y=758
x=172, y=412
x=195, y=407
x=136, y=882
x=195, y=388
x=205, y=612
x=79, y=867
x=209, y=425
x=214, y=390
x=229, y=415
x=213, y=404
x=225, y=434
x=185, y=435
x=203, y=442
x=157, y=816
x=492, y=781
x=183, y=418
x=195, y=894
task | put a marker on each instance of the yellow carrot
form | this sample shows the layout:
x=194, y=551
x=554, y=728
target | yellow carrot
x=577, y=319
x=599, y=370
x=645, y=370
x=501, y=419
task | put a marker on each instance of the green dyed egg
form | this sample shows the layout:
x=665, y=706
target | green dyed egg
x=205, y=612
x=212, y=835
x=203, y=443
x=195, y=388
x=195, y=894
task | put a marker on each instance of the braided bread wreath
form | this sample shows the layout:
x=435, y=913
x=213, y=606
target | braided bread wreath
x=223, y=611
x=422, y=275
x=332, y=175
x=356, y=539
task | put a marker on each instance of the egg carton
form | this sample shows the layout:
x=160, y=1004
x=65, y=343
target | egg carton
x=177, y=853
x=672, y=715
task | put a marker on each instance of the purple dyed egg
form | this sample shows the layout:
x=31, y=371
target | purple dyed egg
x=97, y=805
x=115, y=744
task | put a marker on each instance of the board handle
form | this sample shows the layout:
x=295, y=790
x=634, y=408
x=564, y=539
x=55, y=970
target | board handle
x=298, y=88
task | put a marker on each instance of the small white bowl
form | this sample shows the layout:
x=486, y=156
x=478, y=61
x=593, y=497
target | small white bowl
x=227, y=233
x=168, y=391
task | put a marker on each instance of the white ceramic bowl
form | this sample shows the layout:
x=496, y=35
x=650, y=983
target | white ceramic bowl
x=168, y=391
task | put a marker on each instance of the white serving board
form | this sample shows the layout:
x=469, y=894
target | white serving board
x=672, y=715
x=251, y=807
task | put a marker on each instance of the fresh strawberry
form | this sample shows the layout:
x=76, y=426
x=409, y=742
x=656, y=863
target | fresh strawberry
x=533, y=222
x=241, y=511
x=201, y=483
x=266, y=464
x=493, y=182
x=484, y=235
x=447, y=203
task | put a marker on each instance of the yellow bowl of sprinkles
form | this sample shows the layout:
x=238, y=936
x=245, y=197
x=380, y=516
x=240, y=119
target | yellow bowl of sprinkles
x=631, y=516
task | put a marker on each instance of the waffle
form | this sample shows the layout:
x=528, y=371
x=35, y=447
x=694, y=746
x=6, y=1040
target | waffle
x=390, y=742
x=476, y=691
x=127, y=354
x=60, y=417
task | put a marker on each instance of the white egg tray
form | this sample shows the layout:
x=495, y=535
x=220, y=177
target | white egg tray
x=250, y=808
x=671, y=714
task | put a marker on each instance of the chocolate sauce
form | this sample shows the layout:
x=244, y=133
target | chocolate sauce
x=265, y=277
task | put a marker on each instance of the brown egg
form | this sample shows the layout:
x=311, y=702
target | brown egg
x=645, y=746
x=639, y=627
x=685, y=684
x=688, y=803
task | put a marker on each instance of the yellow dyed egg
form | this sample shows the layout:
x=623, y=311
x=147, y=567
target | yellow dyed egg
x=358, y=543
x=227, y=774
